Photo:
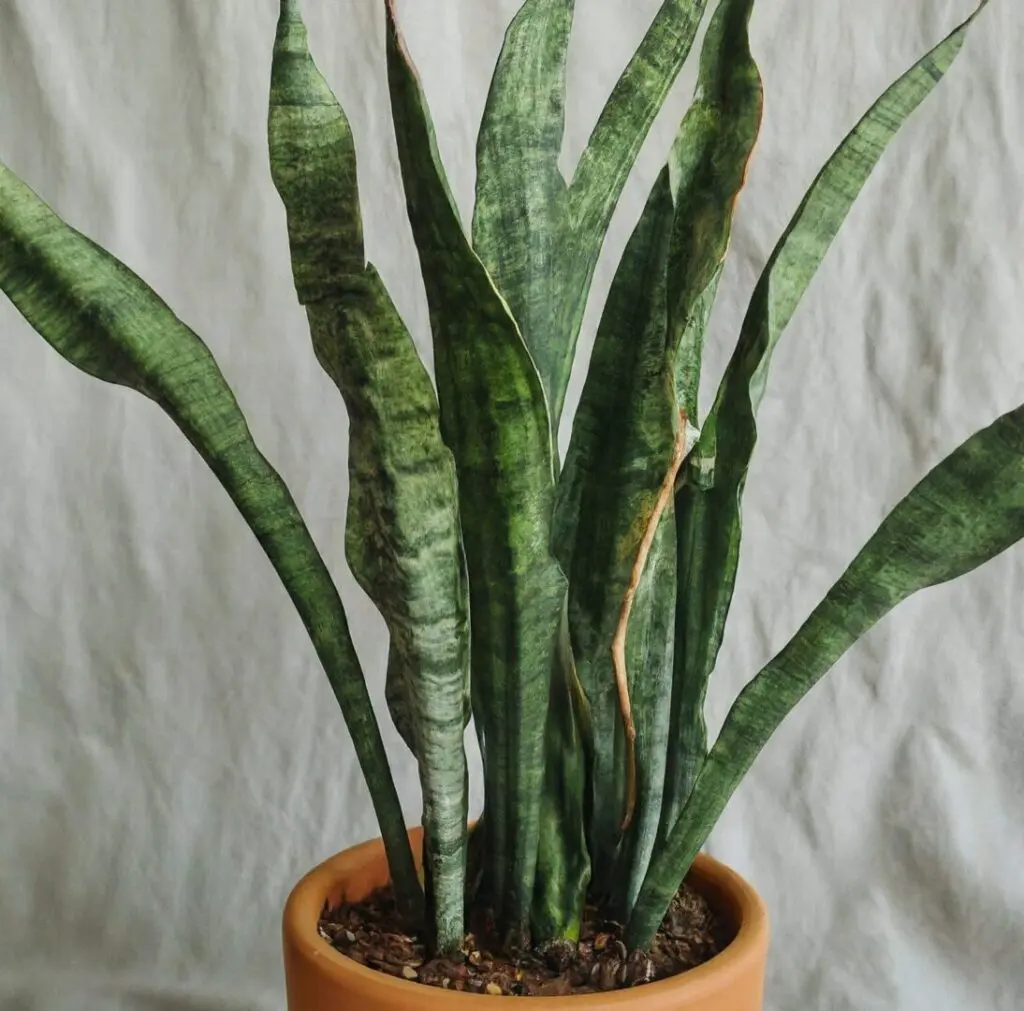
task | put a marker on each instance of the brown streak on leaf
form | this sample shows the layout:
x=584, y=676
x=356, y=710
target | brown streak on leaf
x=619, y=639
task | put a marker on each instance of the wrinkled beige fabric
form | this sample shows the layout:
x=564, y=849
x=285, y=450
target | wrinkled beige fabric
x=171, y=758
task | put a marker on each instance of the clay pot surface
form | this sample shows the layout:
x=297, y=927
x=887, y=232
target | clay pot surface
x=319, y=978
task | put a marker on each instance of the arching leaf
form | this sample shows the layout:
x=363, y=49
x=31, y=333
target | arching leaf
x=708, y=503
x=105, y=320
x=967, y=510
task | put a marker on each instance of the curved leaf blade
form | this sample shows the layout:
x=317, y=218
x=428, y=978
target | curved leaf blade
x=623, y=438
x=709, y=164
x=106, y=321
x=817, y=221
x=607, y=160
x=494, y=419
x=403, y=539
x=967, y=510
x=521, y=216
x=628, y=115
x=708, y=502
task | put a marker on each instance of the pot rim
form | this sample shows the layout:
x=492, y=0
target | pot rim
x=720, y=884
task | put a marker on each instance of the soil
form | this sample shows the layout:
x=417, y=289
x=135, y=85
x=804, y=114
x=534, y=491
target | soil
x=370, y=932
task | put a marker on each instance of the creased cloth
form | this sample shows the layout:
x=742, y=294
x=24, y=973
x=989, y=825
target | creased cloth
x=171, y=757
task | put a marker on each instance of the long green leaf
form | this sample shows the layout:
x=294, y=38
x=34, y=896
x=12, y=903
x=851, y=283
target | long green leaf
x=521, y=216
x=494, y=418
x=708, y=503
x=108, y=322
x=622, y=443
x=709, y=165
x=607, y=160
x=967, y=510
x=630, y=111
x=520, y=230
x=613, y=445
x=563, y=859
x=403, y=538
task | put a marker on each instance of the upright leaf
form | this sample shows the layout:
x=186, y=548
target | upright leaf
x=708, y=505
x=709, y=165
x=608, y=158
x=494, y=418
x=622, y=443
x=520, y=229
x=692, y=206
x=967, y=510
x=563, y=859
x=521, y=217
x=402, y=538
x=108, y=322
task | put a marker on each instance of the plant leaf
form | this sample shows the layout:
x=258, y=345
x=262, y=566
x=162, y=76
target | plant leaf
x=708, y=503
x=521, y=216
x=967, y=510
x=106, y=321
x=629, y=113
x=607, y=160
x=403, y=539
x=494, y=418
x=622, y=443
x=692, y=205
x=563, y=860
x=709, y=165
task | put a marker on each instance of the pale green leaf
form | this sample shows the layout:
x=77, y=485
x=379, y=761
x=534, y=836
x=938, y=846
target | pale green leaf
x=104, y=319
x=403, y=539
x=494, y=418
x=967, y=510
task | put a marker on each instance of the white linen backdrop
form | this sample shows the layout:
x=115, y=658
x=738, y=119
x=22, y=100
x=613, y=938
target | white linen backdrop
x=171, y=758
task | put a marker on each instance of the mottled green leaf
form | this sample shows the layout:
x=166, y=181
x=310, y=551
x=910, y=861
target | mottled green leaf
x=520, y=228
x=494, y=418
x=607, y=160
x=622, y=443
x=629, y=113
x=966, y=511
x=614, y=446
x=402, y=537
x=708, y=165
x=563, y=860
x=708, y=503
x=108, y=322
x=521, y=216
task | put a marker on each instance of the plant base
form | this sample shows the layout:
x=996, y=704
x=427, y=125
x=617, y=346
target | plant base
x=320, y=978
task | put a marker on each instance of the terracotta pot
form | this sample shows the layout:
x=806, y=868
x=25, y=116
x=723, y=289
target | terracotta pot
x=319, y=978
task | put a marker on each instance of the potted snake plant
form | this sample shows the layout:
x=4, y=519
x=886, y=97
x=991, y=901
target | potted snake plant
x=573, y=608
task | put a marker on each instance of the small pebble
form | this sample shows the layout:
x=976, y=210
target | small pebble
x=560, y=987
x=493, y=989
x=605, y=977
x=559, y=955
x=408, y=972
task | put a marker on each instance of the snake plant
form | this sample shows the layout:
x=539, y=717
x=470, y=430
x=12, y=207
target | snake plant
x=571, y=608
